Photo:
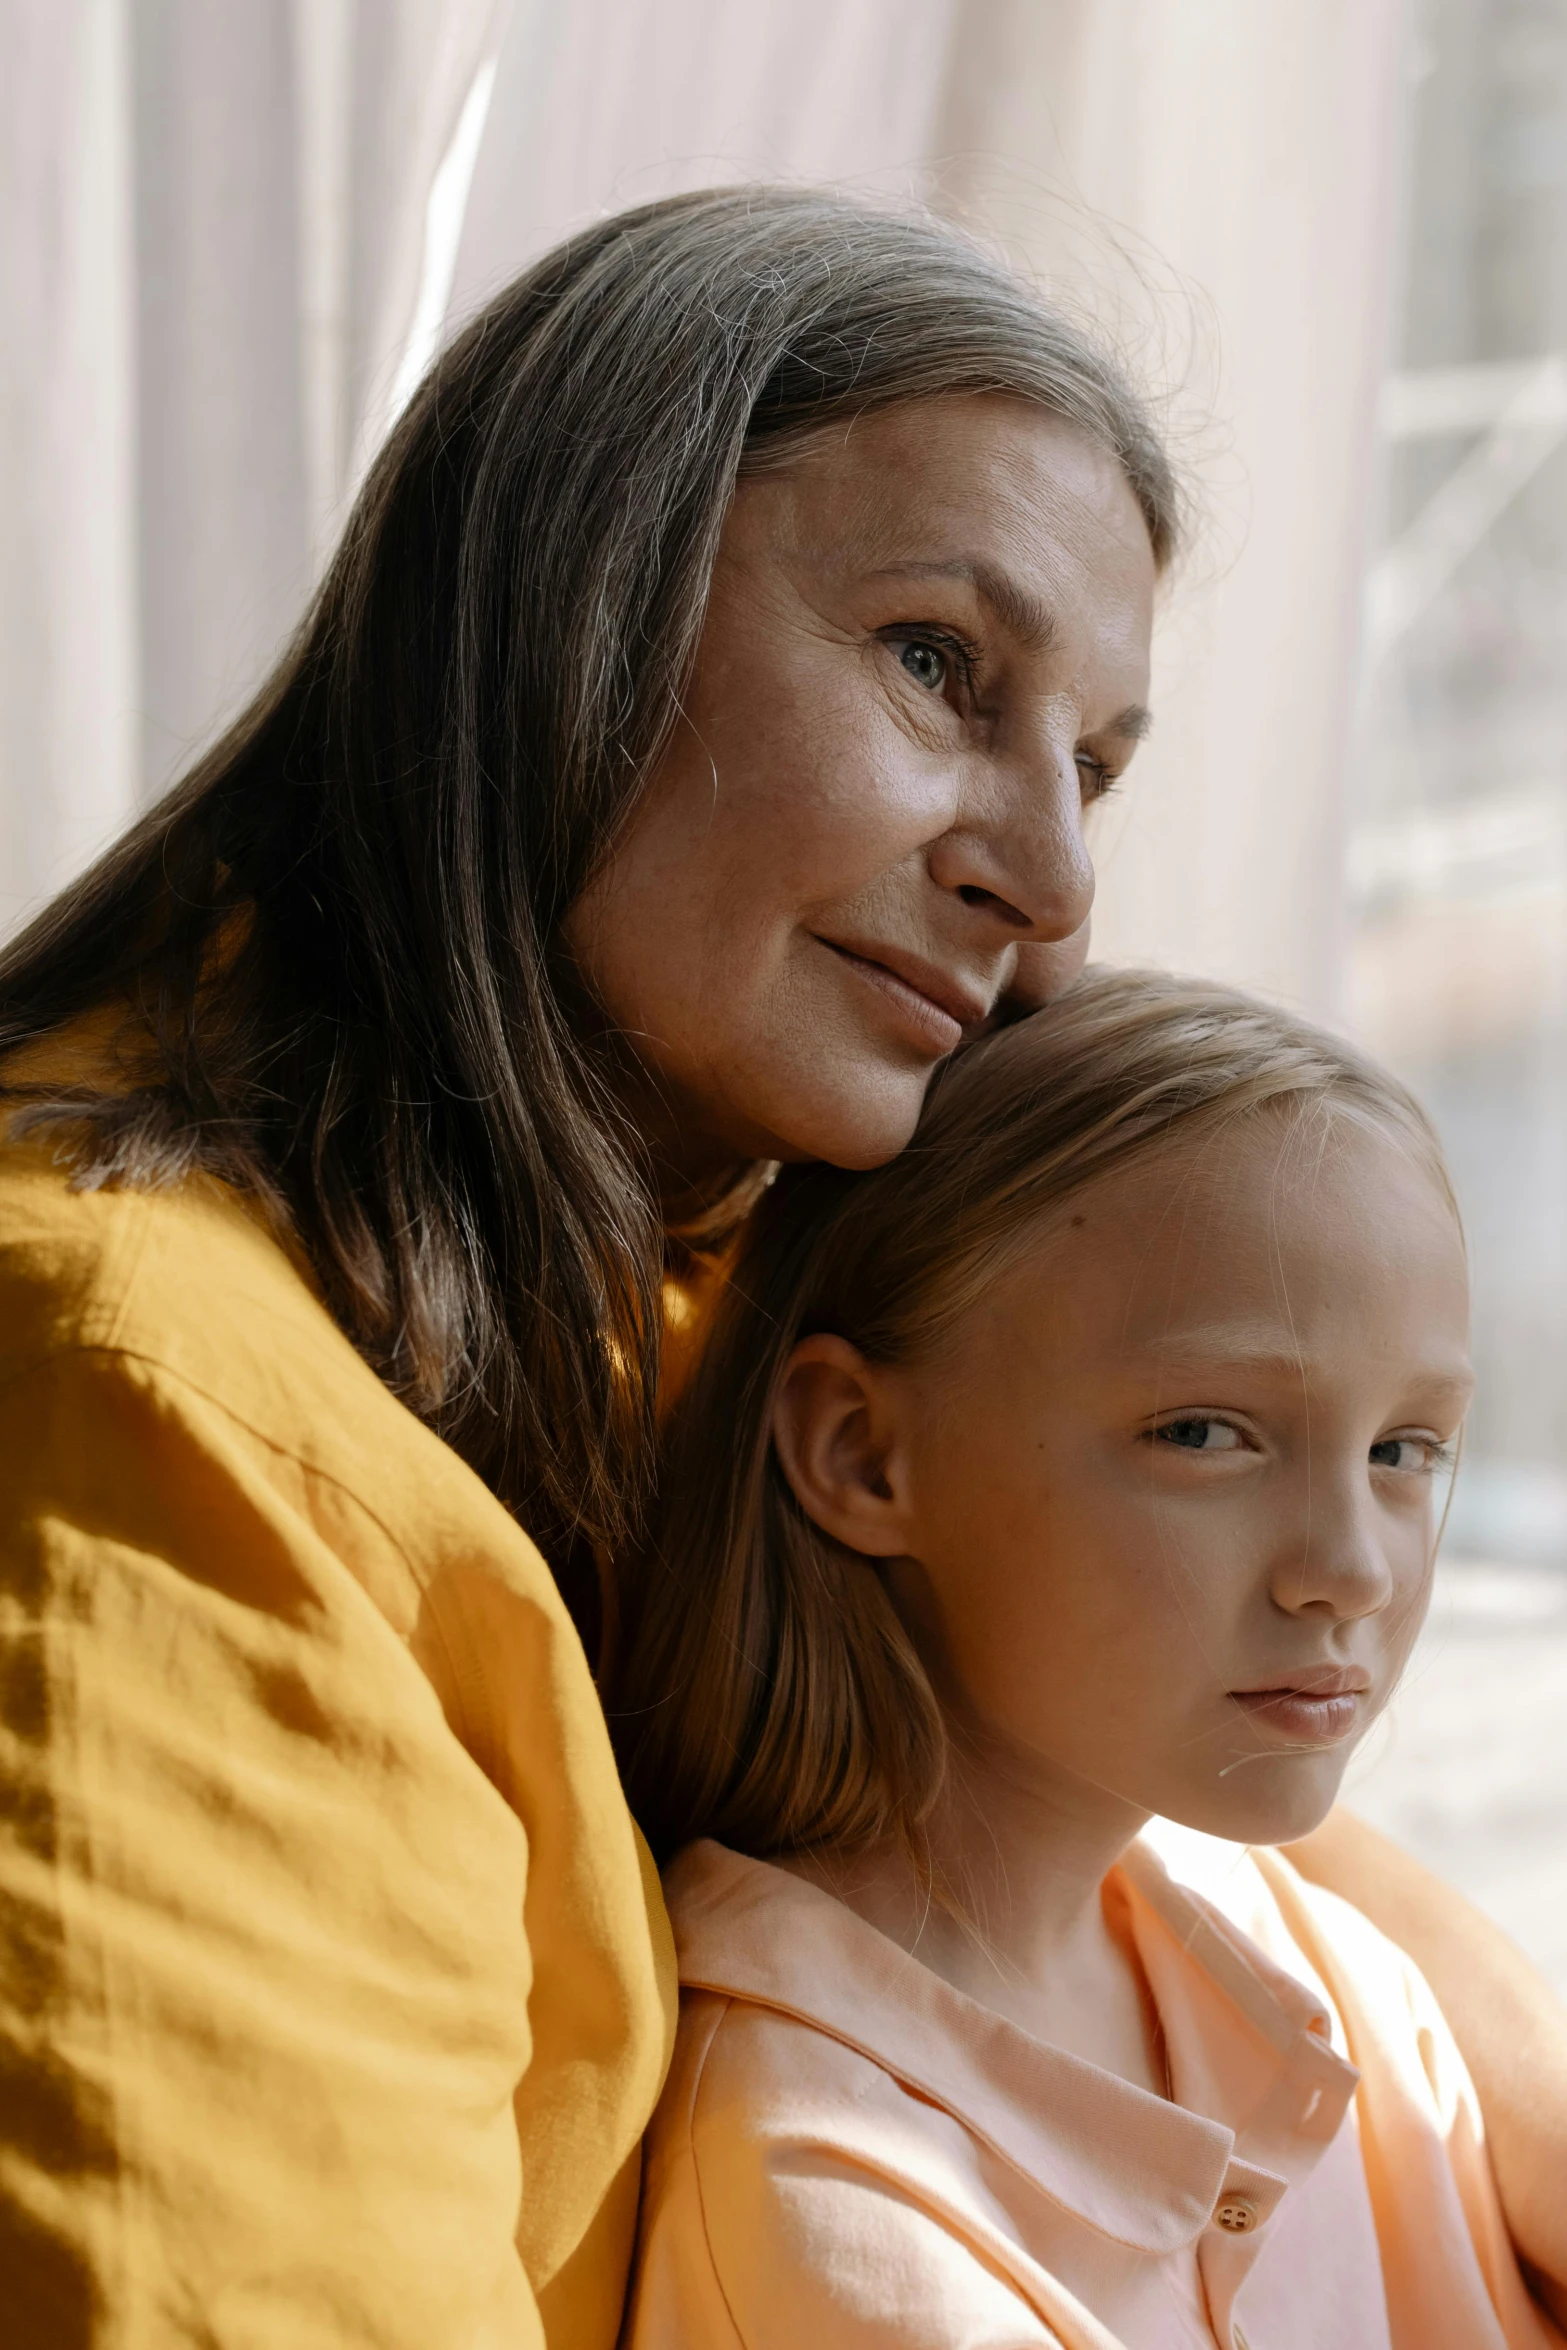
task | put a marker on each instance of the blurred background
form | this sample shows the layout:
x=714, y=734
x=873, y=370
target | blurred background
x=1332, y=235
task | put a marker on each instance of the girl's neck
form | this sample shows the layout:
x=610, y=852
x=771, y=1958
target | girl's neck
x=1019, y=1921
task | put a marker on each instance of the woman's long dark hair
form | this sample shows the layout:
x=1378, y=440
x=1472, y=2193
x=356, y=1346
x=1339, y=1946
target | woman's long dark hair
x=336, y=943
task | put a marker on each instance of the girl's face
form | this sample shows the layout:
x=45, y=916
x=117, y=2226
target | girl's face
x=1160, y=1511
x=925, y=654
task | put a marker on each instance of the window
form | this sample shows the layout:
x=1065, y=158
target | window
x=1458, y=940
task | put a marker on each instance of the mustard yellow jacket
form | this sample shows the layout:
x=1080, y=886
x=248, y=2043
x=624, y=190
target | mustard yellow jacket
x=335, y=1986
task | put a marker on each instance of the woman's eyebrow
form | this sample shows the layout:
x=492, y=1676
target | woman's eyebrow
x=1018, y=609
x=1021, y=613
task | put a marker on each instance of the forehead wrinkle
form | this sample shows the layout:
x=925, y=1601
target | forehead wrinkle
x=853, y=470
x=1024, y=615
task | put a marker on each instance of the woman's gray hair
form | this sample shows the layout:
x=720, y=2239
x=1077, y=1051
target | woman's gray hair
x=709, y=336
x=338, y=940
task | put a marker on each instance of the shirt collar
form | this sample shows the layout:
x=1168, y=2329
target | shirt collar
x=1138, y=2169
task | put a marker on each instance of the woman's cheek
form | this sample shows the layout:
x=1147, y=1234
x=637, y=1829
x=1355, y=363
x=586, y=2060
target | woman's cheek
x=873, y=779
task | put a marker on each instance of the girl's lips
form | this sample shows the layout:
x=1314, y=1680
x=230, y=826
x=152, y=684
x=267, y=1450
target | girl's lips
x=1300, y=1717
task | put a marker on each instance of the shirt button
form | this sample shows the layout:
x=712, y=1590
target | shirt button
x=1237, y=2215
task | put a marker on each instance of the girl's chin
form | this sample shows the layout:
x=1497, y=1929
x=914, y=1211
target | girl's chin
x=1266, y=1799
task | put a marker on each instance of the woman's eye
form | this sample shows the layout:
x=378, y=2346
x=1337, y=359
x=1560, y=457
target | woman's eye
x=926, y=664
x=1095, y=778
x=1197, y=1435
x=1410, y=1453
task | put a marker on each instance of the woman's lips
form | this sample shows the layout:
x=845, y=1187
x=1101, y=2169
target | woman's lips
x=934, y=1009
x=1303, y=1717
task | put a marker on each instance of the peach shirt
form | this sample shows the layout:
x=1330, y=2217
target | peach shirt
x=849, y=2152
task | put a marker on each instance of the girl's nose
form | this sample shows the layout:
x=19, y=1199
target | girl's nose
x=1332, y=1561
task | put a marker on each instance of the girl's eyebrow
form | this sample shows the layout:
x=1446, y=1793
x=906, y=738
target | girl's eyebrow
x=1244, y=1340
x=1199, y=1352
x=1224, y=1347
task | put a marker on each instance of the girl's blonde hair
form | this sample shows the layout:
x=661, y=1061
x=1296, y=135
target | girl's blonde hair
x=765, y=1690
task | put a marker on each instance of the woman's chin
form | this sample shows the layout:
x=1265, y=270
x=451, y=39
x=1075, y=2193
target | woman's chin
x=857, y=1120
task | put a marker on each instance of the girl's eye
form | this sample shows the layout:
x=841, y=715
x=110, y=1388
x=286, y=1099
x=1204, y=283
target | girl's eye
x=1416, y=1454
x=1199, y=1435
x=926, y=664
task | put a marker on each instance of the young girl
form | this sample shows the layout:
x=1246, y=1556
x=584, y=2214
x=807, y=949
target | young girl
x=1079, y=1468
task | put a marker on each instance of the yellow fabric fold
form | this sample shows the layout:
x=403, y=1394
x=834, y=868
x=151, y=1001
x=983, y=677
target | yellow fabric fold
x=335, y=1988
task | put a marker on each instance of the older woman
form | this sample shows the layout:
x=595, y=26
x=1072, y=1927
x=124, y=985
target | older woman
x=689, y=746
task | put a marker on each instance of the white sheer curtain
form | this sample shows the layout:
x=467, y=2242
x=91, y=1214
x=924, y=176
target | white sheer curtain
x=69, y=642
x=228, y=227
x=1245, y=155
x=215, y=235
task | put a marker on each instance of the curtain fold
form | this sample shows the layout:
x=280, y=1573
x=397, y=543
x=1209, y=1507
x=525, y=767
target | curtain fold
x=1226, y=173
x=606, y=103
x=213, y=247
x=69, y=635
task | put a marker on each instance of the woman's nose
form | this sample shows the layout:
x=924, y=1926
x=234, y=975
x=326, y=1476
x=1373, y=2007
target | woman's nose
x=1018, y=852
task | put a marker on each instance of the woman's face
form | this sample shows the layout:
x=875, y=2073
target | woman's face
x=1160, y=1508
x=925, y=656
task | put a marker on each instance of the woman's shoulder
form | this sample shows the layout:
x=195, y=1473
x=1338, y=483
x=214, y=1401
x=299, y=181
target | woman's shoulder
x=158, y=1270
x=305, y=1678
x=187, y=1282
x=182, y=1310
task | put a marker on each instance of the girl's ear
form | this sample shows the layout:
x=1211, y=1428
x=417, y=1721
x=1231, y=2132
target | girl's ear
x=836, y=1430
